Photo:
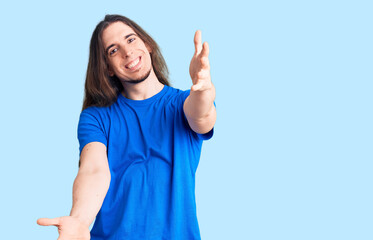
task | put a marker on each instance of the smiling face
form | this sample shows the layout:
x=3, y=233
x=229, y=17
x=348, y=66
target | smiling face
x=128, y=56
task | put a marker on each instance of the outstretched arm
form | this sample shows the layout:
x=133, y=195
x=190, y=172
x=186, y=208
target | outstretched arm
x=89, y=190
x=199, y=106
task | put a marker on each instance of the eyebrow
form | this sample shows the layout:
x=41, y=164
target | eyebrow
x=127, y=36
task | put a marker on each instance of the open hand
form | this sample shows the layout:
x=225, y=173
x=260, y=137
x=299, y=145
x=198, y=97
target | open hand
x=69, y=228
x=199, y=68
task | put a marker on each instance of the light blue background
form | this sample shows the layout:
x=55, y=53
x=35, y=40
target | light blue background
x=292, y=153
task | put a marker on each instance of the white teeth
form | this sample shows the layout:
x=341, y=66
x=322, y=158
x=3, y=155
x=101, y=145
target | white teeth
x=134, y=63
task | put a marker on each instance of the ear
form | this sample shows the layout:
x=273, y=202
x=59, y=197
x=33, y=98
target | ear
x=111, y=73
x=109, y=70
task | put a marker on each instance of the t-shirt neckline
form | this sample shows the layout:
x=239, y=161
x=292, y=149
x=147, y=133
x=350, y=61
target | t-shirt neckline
x=145, y=101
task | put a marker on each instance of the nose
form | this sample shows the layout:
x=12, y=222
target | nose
x=126, y=50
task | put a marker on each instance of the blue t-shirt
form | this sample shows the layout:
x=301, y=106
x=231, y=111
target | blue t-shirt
x=153, y=156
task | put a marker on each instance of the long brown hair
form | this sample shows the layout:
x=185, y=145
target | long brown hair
x=101, y=89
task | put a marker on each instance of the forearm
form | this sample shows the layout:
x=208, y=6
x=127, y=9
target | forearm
x=89, y=191
x=200, y=110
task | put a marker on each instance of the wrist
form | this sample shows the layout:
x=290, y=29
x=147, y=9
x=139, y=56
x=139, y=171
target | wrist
x=83, y=221
x=205, y=92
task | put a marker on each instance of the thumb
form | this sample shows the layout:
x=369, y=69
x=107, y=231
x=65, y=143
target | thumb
x=197, y=86
x=198, y=41
x=48, y=221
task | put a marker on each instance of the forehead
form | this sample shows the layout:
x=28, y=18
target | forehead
x=114, y=32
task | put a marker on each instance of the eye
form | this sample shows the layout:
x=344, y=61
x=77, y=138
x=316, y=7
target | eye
x=113, y=51
x=131, y=40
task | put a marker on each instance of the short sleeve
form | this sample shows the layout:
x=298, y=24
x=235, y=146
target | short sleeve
x=90, y=129
x=205, y=136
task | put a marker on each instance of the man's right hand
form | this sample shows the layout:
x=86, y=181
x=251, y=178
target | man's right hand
x=68, y=227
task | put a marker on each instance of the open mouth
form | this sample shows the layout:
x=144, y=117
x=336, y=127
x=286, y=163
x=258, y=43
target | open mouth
x=134, y=65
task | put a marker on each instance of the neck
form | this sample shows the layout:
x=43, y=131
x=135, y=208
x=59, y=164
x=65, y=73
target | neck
x=143, y=90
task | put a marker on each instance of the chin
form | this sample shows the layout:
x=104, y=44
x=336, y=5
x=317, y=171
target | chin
x=140, y=79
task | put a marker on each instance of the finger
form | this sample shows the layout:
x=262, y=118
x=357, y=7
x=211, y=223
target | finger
x=205, y=50
x=48, y=221
x=205, y=63
x=202, y=74
x=198, y=41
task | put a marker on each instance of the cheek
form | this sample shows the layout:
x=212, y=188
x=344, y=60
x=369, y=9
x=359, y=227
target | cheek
x=113, y=63
x=148, y=60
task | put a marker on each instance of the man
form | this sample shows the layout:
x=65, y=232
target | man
x=140, y=140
